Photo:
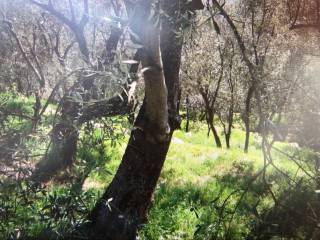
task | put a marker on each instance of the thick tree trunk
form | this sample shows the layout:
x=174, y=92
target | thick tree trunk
x=64, y=138
x=65, y=134
x=126, y=202
x=63, y=144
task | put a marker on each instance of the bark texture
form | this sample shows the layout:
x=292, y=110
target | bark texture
x=125, y=204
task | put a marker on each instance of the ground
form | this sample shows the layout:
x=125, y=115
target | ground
x=203, y=192
x=196, y=174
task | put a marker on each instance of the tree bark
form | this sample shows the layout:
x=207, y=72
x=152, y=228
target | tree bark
x=209, y=109
x=64, y=138
x=214, y=131
x=188, y=113
x=65, y=135
x=230, y=123
x=63, y=146
x=247, y=117
x=251, y=68
x=126, y=202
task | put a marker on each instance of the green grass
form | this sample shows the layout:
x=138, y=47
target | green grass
x=188, y=183
x=194, y=175
x=203, y=192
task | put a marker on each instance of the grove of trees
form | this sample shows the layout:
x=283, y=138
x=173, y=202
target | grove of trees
x=139, y=70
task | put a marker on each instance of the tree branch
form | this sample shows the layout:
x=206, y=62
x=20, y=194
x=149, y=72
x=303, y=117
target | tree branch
x=39, y=76
x=76, y=28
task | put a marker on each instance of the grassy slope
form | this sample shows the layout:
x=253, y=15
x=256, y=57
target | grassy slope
x=196, y=173
x=196, y=180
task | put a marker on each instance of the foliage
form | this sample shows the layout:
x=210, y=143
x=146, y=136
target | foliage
x=68, y=76
x=203, y=192
x=208, y=193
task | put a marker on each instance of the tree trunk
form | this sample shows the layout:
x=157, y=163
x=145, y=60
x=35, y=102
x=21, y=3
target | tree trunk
x=126, y=202
x=188, y=113
x=63, y=146
x=209, y=113
x=247, y=118
x=215, y=134
x=210, y=120
x=230, y=123
x=130, y=193
x=36, y=112
x=228, y=135
x=64, y=138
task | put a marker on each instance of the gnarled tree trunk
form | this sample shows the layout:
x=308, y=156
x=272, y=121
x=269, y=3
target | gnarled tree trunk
x=125, y=204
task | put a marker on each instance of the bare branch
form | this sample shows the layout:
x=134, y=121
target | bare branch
x=36, y=71
x=49, y=8
x=76, y=28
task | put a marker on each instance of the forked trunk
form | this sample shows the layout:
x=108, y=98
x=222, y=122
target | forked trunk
x=125, y=204
x=65, y=136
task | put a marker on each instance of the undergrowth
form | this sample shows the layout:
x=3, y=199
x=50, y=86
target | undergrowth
x=203, y=192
